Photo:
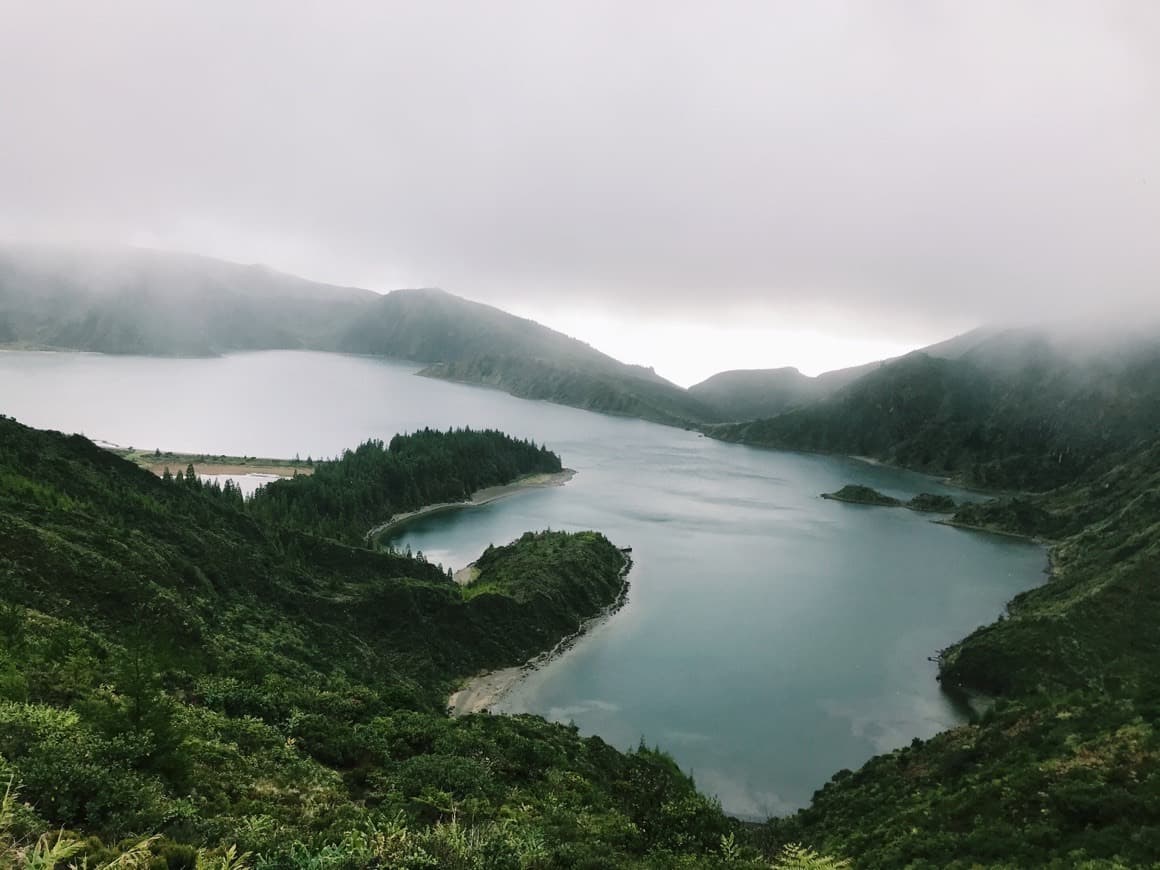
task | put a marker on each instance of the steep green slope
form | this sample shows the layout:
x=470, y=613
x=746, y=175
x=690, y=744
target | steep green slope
x=756, y=394
x=171, y=665
x=1065, y=767
x=1029, y=417
x=1088, y=627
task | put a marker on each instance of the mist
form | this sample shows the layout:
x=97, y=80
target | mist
x=892, y=170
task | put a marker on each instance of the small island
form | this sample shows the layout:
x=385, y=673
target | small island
x=855, y=494
x=926, y=502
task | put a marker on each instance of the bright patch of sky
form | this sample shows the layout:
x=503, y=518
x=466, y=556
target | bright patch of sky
x=686, y=352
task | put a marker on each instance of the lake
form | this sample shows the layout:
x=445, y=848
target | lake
x=770, y=637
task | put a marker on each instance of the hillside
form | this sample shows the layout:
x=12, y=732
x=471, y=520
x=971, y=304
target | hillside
x=172, y=666
x=754, y=394
x=432, y=325
x=137, y=301
x=1065, y=767
x=1014, y=412
x=624, y=394
x=472, y=343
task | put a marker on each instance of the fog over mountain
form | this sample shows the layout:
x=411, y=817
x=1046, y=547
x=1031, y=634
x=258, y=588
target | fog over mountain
x=854, y=306
x=883, y=169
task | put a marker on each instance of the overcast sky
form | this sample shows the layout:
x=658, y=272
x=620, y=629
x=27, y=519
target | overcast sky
x=694, y=185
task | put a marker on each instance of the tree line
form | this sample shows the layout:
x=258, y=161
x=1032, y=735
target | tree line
x=347, y=496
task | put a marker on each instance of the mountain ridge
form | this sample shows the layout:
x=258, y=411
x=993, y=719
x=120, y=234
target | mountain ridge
x=157, y=303
x=1012, y=411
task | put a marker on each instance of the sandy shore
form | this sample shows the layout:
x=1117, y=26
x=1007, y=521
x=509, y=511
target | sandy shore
x=201, y=468
x=482, y=692
x=480, y=497
x=208, y=463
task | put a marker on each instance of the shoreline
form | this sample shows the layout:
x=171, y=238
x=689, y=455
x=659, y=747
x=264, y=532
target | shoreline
x=479, y=693
x=234, y=469
x=478, y=498
x=1033, y=539
x=156, y=462
x=952, y=480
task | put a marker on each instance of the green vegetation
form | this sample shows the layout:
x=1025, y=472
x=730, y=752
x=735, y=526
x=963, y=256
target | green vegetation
x=172, y=666
x=1013, y=515
x=555, y=581
x=1013, y=414
x=925, y=502
x=856, y=494
x=929, y=502
x=346, y=497
x=182, y=673
x=1064, y=768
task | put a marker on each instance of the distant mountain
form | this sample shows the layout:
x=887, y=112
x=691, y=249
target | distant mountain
x=432, y=325
x=750, y=394
x=137, y=301
x=474, y=343
x=1014, y=409
x=151, y=302
x=610, y=392
x=753, y=394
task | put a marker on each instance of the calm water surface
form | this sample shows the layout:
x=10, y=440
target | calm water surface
x=770, y=638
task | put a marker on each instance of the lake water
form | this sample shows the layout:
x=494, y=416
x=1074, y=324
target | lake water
x=770, y=637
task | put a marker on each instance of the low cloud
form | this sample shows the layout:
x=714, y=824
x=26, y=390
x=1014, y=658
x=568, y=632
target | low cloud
x=946, y=162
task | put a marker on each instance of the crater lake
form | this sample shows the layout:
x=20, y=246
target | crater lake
x=770, y=637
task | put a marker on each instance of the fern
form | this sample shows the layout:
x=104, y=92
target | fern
x=228, y=860
x=49, y=851
x=137, y=857
x=798, y=857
